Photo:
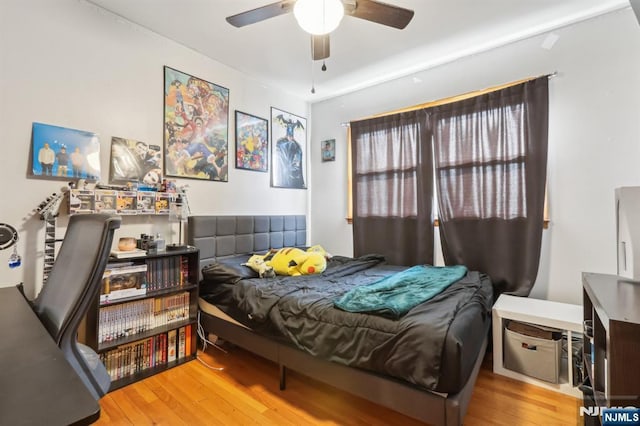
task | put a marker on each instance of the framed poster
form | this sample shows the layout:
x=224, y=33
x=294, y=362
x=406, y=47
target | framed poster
x=252, y=142
x=288, y=150
x=328, y=150
x=135, y=161
x=196, y=127
x=62, y=153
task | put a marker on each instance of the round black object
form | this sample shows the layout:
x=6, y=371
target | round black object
x=8, y=236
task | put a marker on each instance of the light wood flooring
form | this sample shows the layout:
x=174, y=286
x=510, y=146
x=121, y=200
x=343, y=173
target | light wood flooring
x=246, y=392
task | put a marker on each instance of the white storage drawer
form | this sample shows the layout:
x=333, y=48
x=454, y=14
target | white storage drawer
x=533, y=356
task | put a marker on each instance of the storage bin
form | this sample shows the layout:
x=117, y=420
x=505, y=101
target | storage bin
x=534, y=356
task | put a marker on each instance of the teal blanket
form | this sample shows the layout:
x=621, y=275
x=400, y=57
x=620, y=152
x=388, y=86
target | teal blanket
x=395, y=295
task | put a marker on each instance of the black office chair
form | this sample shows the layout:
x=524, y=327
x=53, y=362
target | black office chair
x=72, y=289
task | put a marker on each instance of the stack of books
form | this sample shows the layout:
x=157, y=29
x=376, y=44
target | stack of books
x=120, y=254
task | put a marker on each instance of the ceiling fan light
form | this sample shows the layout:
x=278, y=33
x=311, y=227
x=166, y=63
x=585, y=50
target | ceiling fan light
x=318, y=17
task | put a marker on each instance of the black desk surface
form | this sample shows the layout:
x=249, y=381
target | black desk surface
x=37, y=384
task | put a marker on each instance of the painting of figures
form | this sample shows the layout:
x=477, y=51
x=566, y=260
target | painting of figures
x=135, y=161
x=62, y=153
x=288, y=149
x=252, y=142
x=196, y=126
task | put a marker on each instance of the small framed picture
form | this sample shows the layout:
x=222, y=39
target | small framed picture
x=63, y=153
x=328, y=150
x=252, y=142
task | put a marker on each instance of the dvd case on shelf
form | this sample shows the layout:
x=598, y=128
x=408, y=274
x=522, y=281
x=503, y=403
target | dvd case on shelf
x=121, y=281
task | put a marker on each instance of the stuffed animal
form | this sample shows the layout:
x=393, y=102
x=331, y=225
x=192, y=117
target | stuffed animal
x=258, y=264
x=319, y=249
x=294, y=261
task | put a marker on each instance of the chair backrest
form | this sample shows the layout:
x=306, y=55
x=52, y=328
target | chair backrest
x=76, y=276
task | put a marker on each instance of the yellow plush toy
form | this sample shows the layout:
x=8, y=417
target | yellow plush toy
x=258, y=264
x=294, y=261
x=319, y=249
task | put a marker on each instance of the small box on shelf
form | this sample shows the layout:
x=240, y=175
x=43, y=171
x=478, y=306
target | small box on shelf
x=146, y=202
x=106, y=201
x=81, y=201
x=127, y=202
x=122, y=281
x=163, y=201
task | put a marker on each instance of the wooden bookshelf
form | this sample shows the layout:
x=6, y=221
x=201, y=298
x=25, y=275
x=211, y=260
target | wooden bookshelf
x=611, y=347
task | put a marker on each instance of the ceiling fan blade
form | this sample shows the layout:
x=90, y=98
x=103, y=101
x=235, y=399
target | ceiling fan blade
x=381, y=13
x=320, y=47
x=261, y=13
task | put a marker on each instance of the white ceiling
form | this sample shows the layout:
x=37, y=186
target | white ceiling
x=278, y=53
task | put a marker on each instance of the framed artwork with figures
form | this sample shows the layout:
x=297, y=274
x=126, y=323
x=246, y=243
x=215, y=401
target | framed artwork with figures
x=196, y=127
x=62, y=153
x=135, y=161
x=288, y=150
x=252, y=142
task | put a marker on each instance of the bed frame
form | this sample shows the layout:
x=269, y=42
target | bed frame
x=222, y=236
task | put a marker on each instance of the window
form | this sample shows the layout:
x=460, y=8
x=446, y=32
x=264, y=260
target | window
x=458, y=167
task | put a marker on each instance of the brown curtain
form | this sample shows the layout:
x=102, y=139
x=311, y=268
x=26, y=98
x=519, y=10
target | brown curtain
x=393, y=188
x=491, y=162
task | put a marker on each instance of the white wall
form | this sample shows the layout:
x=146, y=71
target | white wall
x=67, y=63
x=70, y=64
x=594, y=139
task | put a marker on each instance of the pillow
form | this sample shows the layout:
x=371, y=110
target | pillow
x=228, y=270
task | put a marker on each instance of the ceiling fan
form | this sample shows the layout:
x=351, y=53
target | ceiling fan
x=369, y=10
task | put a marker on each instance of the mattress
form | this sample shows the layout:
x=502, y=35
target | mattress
x=434, y=346
x=214, y=311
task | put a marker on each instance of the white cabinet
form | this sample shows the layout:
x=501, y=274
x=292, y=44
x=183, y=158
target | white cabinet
x=562, y=316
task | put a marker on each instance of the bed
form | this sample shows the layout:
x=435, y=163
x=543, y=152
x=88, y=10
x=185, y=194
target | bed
x=423, y=364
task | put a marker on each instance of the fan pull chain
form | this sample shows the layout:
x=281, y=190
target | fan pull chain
x=313, y=85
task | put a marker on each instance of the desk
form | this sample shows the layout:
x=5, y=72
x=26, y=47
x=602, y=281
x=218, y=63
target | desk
x=37, y=384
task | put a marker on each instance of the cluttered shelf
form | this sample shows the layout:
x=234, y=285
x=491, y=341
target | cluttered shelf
x=145, y=320
x=123, y=202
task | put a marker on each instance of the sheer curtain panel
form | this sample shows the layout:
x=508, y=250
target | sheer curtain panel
x=393, y=188
x=491, y=161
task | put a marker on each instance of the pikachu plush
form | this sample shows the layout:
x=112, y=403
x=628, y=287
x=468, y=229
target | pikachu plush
x=289, y=261
x=294, y=261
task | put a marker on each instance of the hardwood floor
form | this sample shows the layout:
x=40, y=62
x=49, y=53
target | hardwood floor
x=245, y=392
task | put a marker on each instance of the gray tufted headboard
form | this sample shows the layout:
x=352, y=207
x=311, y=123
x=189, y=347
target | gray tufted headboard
x=223, y=236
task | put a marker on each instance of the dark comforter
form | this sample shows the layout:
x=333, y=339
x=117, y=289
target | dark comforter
x=446, y=331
